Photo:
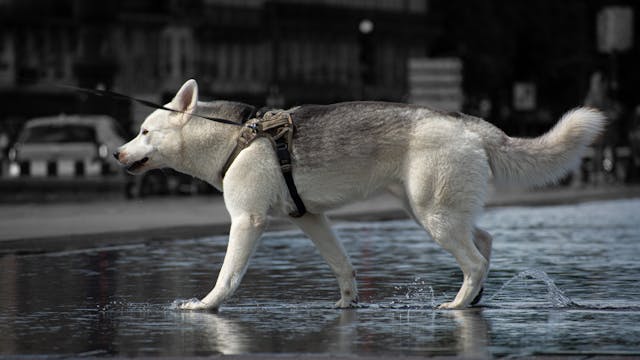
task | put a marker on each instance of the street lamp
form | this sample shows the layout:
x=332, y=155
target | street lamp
x=367, y=57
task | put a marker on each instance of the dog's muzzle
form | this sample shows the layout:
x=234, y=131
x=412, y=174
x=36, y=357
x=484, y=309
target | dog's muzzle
x=137, y=164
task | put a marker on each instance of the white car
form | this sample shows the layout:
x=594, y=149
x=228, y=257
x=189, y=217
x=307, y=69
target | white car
x=66, y=146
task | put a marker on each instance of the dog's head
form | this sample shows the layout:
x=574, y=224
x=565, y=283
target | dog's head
x=159, y=141
x=159, y=136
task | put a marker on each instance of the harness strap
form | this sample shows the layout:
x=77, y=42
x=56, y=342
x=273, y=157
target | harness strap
x=278, y=127
x=248, y=133
x=284, y=156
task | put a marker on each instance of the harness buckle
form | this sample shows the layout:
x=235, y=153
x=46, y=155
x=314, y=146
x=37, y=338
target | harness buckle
x=253, y=126
x=280, y=146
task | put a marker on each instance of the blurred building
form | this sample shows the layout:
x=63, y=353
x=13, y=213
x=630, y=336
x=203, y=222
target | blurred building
x=277, y=52
x=527, y=62
x=524, y=60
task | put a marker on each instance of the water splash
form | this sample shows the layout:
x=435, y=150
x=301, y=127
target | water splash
x=182, y=304
x=121, y=306
x=556, y=297
x=414, y=295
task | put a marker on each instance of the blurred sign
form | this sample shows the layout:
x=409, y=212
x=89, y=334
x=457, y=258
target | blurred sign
x=615, y=29
x=524, y=96
x=436, y=82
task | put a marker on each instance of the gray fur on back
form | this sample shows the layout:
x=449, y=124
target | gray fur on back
x=363, y=133
x=228, y=110
x=363, y=130
x=358, y=131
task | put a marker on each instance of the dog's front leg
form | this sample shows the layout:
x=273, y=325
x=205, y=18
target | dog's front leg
x=317, y=227
x=243, y=240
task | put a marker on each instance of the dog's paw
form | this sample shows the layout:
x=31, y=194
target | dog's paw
x=191, y=304
x=450, y=306
x=347, y=303
x=478, y=297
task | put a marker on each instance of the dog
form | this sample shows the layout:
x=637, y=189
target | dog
x=438, y=164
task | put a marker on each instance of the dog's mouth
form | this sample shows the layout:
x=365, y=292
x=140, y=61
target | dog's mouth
x=137, y=164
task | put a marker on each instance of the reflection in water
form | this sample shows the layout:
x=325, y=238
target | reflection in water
x=218, y=334
x=228, y=334
x=340, y=332
x=472, y=333
x=116, y=301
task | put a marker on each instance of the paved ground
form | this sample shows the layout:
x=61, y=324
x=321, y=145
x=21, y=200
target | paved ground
x=33, y=227
x=27, y=228
x=570, y=356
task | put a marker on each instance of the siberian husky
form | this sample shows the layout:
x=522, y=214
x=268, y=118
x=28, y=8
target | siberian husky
x=438, y=164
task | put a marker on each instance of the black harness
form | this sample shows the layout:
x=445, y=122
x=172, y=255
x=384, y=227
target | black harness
x=278, y=127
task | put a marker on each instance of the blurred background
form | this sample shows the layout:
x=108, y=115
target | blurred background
x=519, y=65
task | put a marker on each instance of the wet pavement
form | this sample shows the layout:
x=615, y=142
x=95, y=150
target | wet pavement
x=44, y=227
x=563, y=283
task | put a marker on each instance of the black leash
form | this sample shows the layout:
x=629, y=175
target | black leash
x=151, y=104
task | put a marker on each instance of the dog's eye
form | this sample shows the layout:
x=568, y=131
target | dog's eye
x=145, y=131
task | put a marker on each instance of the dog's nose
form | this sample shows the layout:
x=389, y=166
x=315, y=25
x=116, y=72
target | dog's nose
x=116, y=155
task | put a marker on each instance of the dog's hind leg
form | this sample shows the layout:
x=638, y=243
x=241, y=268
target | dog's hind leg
x=243, y=240
x=483, y=242
x=481, y=239
x=454, y=234
x=317, y=227
x=445, y=200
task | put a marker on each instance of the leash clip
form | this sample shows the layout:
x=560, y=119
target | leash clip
x=253, y=126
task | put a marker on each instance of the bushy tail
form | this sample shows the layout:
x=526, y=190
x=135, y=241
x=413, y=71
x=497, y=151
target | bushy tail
x=545, y=159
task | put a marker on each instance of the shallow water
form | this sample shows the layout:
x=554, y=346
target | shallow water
x=563, y=280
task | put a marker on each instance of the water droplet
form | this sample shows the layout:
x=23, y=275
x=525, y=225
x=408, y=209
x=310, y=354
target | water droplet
x=556, y=297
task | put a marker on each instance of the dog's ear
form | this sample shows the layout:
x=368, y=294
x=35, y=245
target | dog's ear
x=187, y=97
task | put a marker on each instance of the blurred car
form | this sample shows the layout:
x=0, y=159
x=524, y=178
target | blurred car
x=70, y=150
x=66, y=146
